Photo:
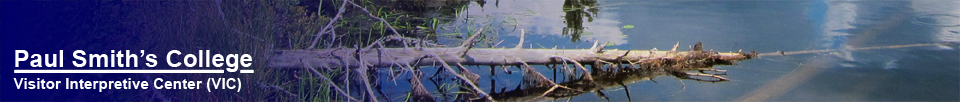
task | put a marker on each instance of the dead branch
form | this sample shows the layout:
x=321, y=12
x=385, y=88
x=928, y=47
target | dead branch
x=472, y=77
x=366, y=81
x=469, y=41
x=467, y=44
x=675, y=46
x=539, y=80
x=329, y=25
x=520, y=44
x=465, y=79
x=417, y=91
x=597, y=47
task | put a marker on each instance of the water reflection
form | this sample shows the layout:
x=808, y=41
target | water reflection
x=575, y=11
x=943, y=16
x=871, y=75
x=536, y=87
x=575, y=20
x=764, y=26
x=605, y=79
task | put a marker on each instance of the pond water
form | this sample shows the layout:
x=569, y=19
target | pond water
x=928, y=73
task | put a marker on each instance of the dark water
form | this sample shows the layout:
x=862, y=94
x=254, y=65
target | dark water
x=928, y=73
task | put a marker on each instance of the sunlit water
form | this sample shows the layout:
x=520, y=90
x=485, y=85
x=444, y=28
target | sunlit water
x=915, y=73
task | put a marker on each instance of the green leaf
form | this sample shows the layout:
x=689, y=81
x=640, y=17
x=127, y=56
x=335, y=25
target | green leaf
x=610, y=44
x=586, y=33
x=835, y=53
x=628, y=26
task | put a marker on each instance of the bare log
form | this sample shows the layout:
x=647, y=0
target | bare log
x=387, y=57
x=675, y=63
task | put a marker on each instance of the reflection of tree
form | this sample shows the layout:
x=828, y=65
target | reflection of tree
x=607, y=79
x=535, y=86
x=576, y=10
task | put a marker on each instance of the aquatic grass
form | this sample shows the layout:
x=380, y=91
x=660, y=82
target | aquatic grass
x=407, y=99
x=295, y=30
x=251, y=27
x=215, y=26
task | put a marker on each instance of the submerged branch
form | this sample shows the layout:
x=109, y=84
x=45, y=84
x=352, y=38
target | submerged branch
x=605, y=79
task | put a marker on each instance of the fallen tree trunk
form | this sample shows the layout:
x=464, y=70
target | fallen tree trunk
x=673, y=61
x=640, y=65
x=392, y=57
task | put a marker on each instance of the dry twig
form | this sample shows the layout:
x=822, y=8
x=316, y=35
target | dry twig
x=329, y=26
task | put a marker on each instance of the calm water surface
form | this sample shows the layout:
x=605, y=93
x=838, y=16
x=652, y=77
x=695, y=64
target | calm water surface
x=916, y=73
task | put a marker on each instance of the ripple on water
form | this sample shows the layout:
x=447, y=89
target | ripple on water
x=939, y=20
